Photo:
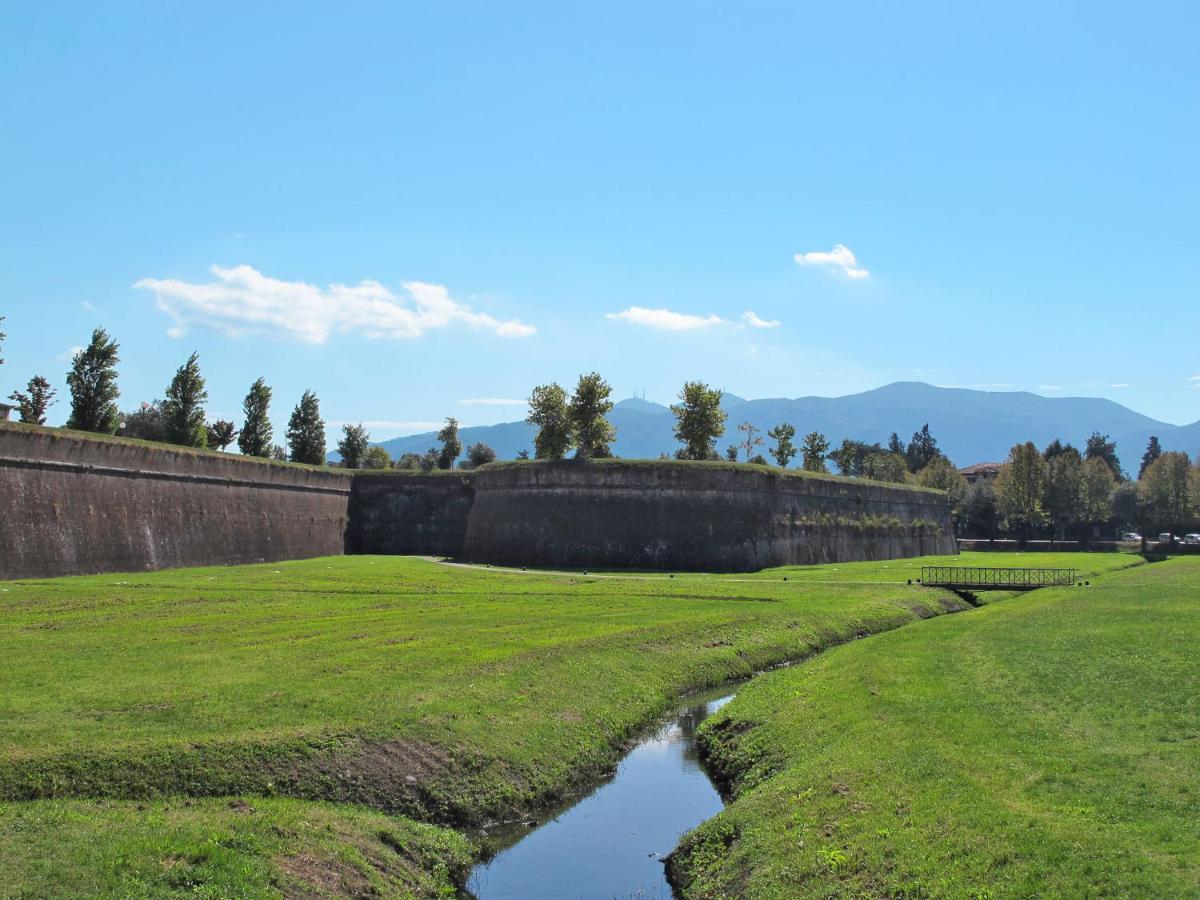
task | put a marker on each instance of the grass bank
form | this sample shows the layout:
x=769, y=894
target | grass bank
x=1044, y=746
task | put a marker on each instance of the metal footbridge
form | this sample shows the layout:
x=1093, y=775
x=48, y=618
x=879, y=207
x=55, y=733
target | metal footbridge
x=968, y=578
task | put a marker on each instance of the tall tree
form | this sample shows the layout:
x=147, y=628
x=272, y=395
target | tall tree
x=1063, y=493
x=33, y=405
x=548, y=411
x=451, y=445
x=353, y=446
x=1020, y=487
x=1166, y=491
x=813, y=452
x=784, y=450
x=751, y=440
x=1098, y=485
x=306, y=431
x=731, y=453
x=1153, y=452
x=979, y=515
x=221, y=434
x=257, y=433
x=1057, y=448
x=922, y=449
x=1100, y=446
x=93, y=385
x=895, y=445
x=699, y=420
x=587, y=413
x=183, y=408
x=942, y=475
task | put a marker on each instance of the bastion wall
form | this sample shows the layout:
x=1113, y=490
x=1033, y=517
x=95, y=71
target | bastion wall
x=75, y=504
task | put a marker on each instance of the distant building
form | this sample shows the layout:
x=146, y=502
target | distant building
x=985, y=471
x=5, y=411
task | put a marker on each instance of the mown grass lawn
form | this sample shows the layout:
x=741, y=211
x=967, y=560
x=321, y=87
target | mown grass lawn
x=1046, y=746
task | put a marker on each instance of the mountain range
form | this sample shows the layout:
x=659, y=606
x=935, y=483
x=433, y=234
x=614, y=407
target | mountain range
x=970, y=426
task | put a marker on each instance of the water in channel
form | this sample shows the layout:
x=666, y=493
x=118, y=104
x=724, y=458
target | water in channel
x=610, y=844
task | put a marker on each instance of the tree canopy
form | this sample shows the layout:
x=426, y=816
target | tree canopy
x=34, y=404
x=813, y=452
x=1020, y=487
x=306, y=432
x=1100, y=446
x=587, y=412
x=699, y=420
x=353, y=446
x=548, y=411
x=92, y=382
x=257, y=433
x=183, y=408
x=784, y=450
x=1153, y=452
x=451, y=445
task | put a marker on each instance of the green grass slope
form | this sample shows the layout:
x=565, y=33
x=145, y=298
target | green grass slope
x=243, y=847
x=447, y=693
x=1047, y=746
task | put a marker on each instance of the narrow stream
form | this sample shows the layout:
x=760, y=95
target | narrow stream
x=611, y=843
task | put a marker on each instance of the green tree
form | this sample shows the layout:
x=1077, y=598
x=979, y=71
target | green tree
x=884, y=466
x=183, y=408
x=1020, y=487
x=451, y=445
x=1098, y=485
x=306, y=432
x=257, y=433
x=1153, y=452
x=1057, y=448
x=813, y=452
x=587, y=414
x=33, y=405
x=1063, y=491
x=353, y=446
x=409, y=461
x=1166, y=491
x=851, y=456
x=221, y=434
x=377, y=457
x=479, y=454
x=699, y=420
x=278, y=453
x=942, y=475
x=1127, y=508
x=751, y=440
x=548, y=411
x=145, y=423
x=895, y=445
x=979, y=515
x=93, y=385
x=1099, y=445
x=429, y=459
x=784, y=450
x=522, y=453
x=731, y=453
x=922, y=450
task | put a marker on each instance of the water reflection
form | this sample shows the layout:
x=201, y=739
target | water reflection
x=611, y=843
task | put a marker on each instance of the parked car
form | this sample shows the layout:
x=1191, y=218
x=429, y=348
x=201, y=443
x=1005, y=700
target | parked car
x=1191, y=538
x=1165, y=537
x=1131, y=536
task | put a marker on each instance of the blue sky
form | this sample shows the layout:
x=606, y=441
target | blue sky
x=411, y=207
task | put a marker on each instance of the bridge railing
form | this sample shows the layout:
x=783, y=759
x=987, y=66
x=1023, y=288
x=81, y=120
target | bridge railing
x=997, y=578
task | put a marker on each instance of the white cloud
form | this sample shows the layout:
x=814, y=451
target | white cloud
x=840, y=257
x=665, y=319
x=492, y=401
x=755, y=322
x=1119, y=386
x=89, y=306
x=1194, y=378
x=70, y=354
x=1049, y=387
x=244, y=301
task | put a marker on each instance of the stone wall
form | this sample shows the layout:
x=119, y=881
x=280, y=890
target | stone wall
x=718, y=517
x=74, y=504
x=403, y=513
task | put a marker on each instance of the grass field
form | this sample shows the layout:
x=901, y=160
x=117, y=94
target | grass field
x=1044, y=746
x=280, y=725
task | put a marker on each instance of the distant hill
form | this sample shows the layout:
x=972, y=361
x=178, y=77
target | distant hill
x=970, y=426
